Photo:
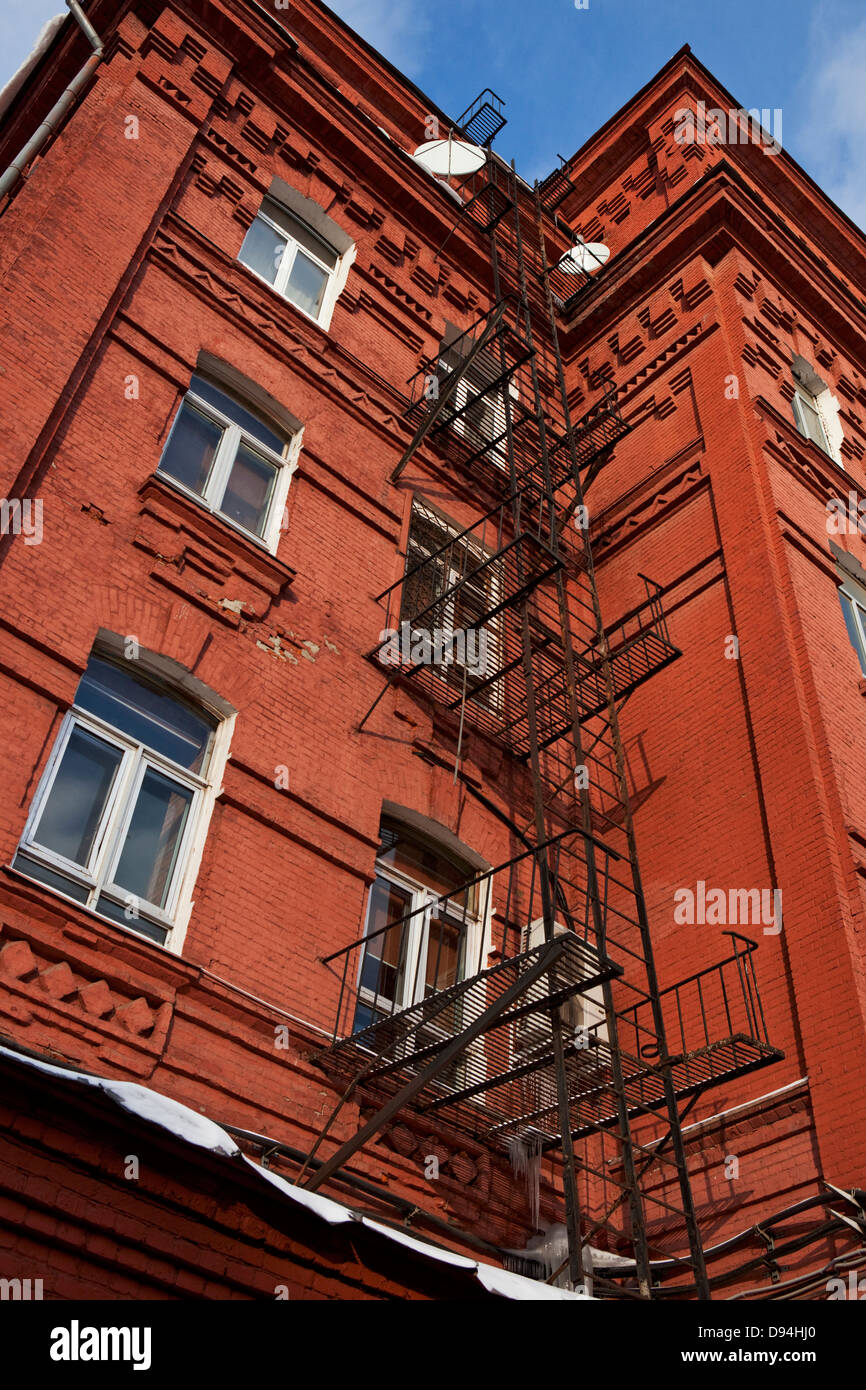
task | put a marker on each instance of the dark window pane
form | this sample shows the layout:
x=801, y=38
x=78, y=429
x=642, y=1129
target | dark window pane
x=248, y=490
x=306, y=285
x=149, y=854
x=262, y=250
x=421, y=860
x=33, y=869
x=238, y=413
x=852, y=625
x=146, y=715
x=190, y=450
x=384, y=961
x=70, y=818
x=117, y=913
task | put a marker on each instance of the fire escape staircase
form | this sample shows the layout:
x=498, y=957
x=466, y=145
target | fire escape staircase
x=556, y=1034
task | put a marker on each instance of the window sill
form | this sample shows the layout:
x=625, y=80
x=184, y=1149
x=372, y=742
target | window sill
x=79, y=914
x=177, y=531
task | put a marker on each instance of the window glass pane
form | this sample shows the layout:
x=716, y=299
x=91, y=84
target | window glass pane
x=33, y=869
x=238, y=413
x=248, y=491
x=384, y=962
x=145, y=714
x=446, y=944
x=190, y=450
x=854, y=628
x=301, y=233
x=306, y=285
x=426, y=864
x=262, y=250
x=71, y=815
x=149, y=855
x=117, y=913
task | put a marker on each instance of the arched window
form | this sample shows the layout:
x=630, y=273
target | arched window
x=424, y=929
x=234, y=461
x=816, y=409
x=294, y=246
x=124, y=800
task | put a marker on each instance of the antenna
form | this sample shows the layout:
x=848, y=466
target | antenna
x=451, y=158
x=584, y=256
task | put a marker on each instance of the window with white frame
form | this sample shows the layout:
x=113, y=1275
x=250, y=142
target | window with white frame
x=231, y=460
x=121, y=810
x=451, y=585
x=477, y=410
x=816, y=409
x=852, y=596
x=292, y=257
x=424, y=930
x=807, y=418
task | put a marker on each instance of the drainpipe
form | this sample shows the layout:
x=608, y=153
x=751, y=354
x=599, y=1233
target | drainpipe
x=16, y=169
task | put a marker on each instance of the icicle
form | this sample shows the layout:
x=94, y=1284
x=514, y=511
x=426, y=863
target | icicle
x=525, y=1156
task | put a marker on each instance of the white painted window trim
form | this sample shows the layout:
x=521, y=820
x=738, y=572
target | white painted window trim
x=493, y=590
x=856, y=597
x=424, y=904
x=233, y=437
x=337, y=274
x=110, y=836
x=811, y=403
x=465, y=388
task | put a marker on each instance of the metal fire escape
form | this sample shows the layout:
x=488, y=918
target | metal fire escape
x=546, y=1027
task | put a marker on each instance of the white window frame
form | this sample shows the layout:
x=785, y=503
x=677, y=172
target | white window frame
x=493, y=628
x=856, y=598
x=335, y=274
x=424, y=902
x=110, y=837
x=234, y=436
x=467, y=387
x=804, y=402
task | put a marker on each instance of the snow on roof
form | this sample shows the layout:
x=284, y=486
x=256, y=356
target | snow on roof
x=197, y=1130
x=44, y=39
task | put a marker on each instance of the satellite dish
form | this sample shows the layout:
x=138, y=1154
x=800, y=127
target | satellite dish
x=450, y=158
x=584, y=256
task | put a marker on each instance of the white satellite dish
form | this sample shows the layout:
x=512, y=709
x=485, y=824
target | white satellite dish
x=584, y=256
x=450, y=158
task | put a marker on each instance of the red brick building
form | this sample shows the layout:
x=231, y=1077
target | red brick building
x=213, y=491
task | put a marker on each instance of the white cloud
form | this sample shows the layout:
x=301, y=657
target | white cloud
x=399, y=29
x=832, y=137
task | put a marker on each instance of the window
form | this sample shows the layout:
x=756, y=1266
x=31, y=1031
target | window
x=816, y=409
x=423, y=930
x=808, y=418
x=451, y=584
x=480, y=419
x=853, y=600
x=291, y=256
x=231, y=460
x=122, y=799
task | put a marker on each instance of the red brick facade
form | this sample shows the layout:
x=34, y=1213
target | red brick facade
x=120, y=271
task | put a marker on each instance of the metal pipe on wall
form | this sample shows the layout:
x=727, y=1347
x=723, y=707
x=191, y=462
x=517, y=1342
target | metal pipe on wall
x=39, y=139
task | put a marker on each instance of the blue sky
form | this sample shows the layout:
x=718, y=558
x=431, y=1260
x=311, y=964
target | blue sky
x=564, y=71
